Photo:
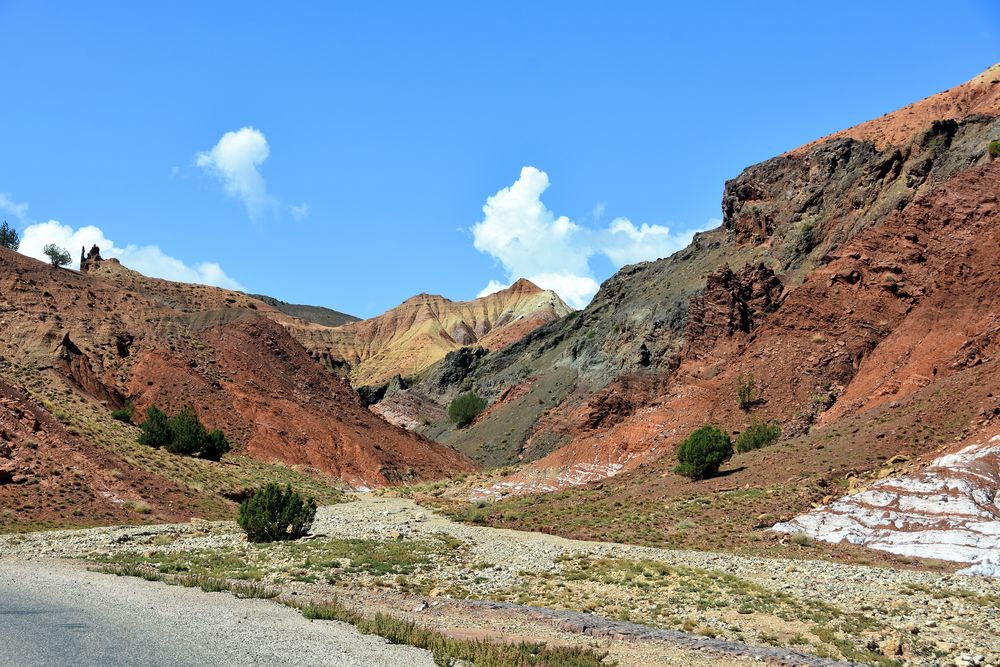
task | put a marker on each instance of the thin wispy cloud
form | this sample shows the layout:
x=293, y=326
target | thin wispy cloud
x=19, y=210
x=530, y=241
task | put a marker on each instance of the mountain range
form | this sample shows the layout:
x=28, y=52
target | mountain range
x=850, y=292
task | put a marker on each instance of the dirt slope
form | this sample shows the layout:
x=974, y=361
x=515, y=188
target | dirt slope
x=51, y=477
x=980, y=95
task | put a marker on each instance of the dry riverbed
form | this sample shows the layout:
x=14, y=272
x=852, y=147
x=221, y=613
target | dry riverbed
x=643, y=606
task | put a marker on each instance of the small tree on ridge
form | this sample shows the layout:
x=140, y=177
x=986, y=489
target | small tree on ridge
x=8, y=237
x=57, y=256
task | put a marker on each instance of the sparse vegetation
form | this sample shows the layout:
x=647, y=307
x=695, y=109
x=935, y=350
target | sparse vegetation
x=124, y=414
x=758, y=434
x=57, y=256
x=703, y=452
x=450, y=651
x=801, y=540
x=746, y=392
x=8, y=237
x=994, y=150
x=464, y=409
x=273, y=514
x=445, y=649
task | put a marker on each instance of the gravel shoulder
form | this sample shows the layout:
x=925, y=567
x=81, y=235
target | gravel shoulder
x=55, y=613
x=808, y=606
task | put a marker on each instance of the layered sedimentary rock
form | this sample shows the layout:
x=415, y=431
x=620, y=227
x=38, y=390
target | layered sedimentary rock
x=423, y=329
x=949, y=510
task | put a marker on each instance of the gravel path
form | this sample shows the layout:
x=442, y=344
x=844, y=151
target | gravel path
x=59, y=614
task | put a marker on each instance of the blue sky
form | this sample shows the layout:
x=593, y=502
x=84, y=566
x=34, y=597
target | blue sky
x=380, y=132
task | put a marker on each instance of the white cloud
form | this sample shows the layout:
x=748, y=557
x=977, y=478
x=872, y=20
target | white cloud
x=492, y=287
x=554, y=252
x=299, y=211
x=575, y=290
x=148, y=260
x=18, y=209
x=234, y=160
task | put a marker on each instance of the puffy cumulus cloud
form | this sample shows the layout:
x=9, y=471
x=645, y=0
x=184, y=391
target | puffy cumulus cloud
x=554, y=252
x=149, y=260
x=235, y=161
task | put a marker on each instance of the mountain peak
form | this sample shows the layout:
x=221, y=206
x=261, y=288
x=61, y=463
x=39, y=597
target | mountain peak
x=523, y=286
x=424, y=297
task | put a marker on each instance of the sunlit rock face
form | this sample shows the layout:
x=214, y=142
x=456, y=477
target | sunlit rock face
x=949, y=510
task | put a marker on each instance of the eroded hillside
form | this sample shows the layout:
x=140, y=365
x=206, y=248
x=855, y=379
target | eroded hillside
x=108, y=335
x=853, y=279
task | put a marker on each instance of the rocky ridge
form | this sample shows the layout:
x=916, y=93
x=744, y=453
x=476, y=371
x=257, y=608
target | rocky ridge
x=405, y=340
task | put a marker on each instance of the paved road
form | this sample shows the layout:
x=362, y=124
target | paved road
x=59, y=614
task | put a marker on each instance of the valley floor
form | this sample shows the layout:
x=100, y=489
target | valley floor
x=644, y=606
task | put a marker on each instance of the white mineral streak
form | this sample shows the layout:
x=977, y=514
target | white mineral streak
x=573, y=475
x=950, y=510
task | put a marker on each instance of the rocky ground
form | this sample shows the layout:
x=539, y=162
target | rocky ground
x=643, y=605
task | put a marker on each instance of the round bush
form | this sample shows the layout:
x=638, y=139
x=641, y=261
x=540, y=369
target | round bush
x=273, y=513
x=465, y=408
x=703, y=452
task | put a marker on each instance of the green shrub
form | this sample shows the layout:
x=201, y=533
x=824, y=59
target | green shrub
x=215, y=446
x=188, y=433
x=994, y=150
x=759, y=434
x=746, y=391
x=703, y=452
x=124, y=414
x=272, y=514
x=465, y=408
x=156, y=429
